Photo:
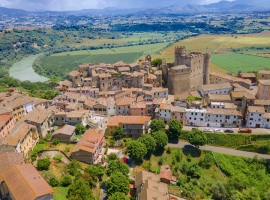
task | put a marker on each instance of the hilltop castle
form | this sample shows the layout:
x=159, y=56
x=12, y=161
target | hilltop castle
x=189, y=70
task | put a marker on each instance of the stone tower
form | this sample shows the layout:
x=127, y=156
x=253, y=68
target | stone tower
x=178, y=53
x=206, y=68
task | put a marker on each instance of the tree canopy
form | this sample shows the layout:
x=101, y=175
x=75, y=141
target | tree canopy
x=149, y=142
x=197, y=138
x=95, y=170
x=80, y=190
x=118, y=166
x=157, y=125
x=118, y=133
x=118, y=196
x=175, y=128
x=136, y=150
x=157, y=61
x=43, y=163
x=161, y=138
x=79, y=129
x=117, y=183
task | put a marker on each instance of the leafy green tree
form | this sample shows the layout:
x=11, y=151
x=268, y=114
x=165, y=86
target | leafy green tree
x=178, y=155
x=118, y=166
x=55, y=141
x=118, y=133
x=118, y=196
x=58, y=157
x=66, y=180
x=251, y=193
x=112, y=143
x=194, y=171
x=157, y=125
x=117, y=183
x=80, y=190
x=175, y=128
x=184, y=167
x=157, y=61
x=136, y=150
x=197, y=138
x=43, y=163
x=161, y=138
x=54, y=182
x=95, y=170
x=90, y=179
x=149, y=142
x=112, y=156
x=74, y=166
x=79, y=129
x=219, y=192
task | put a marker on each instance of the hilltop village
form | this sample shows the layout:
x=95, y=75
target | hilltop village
x=103, y=97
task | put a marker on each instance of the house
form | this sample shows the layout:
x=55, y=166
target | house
x=25, y=182
x=88, y=147
x=60, y=119
x=221, y=105
x=264, y=89
x=22, y=138
x=195, y=117
x=123, y=105
x=77, y=117
x=138, y=109
x=251, y=76
x=254, y=116
x=148, y=187
x=263, y=75
x=66, y=84
x=165, y=112
x=179, y=113
x=87, y=82
x=111, y=107
x=71, y=97
x=165, y=174
x=264, y=103
x=65, y=133
x=42, y=119
x=223, y=117
x=6, y=124
x=266, y=120
x=134, y=126
x=100, y=107
x=219, y=98
x=221, y=88
x=73, y=107
x=76, y=78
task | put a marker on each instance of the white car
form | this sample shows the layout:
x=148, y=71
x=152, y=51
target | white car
x=207, y=130
x=218, y=131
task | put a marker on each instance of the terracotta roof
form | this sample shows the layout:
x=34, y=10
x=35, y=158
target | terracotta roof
x=60, y=87
x=75, y=114
x=230, y=78
x=66, y=130
x=140, y=104
x=124, y=101
x=158, y=101
x=144, y=175
x=165, y=107
x=71, y=95
x=18, y=102
x=229, y=105
x=256, y=109
x=74, y=73
x=72, y=106
x=123, y=69
x=248, y=75
x=264, y=82
x=6, y=110
x=264, y=72
x=238, y=94
x=115, y=120
x=66, y=83
x=220, y=97
x=184, y=95
x=219, y=86
x=9, y=160
x=152, y=76
x=40, y=115
x=89, y=141
x=104, y=75
x=4, y=119
x=135, y=74
x=24, y=182
x=262, y=102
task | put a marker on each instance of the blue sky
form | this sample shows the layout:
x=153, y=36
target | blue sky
x=62, y=5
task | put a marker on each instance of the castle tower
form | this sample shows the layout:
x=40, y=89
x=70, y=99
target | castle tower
x=206, y=68
x=179, y=52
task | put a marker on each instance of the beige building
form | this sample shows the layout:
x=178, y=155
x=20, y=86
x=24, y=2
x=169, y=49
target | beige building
x=123, y=105
x=263, y=75
x=64, y=134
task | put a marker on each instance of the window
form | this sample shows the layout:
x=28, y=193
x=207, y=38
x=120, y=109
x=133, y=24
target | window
x=216, y=115
x=192, y=113
x=262, y=76
x=260, y=114
x=259, y=120
x=175, y=117
x=268, y=120
x=265, y=94
x=56, y=119
x=196, y=113
x=266, y=88
x=190, y=118
x=78, y=119
x=195, y=118
x=250, y=119
x=251, y=114
x=202, y=114
x=201, y=119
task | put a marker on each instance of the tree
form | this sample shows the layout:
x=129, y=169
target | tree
x=66, y=180
x=55, y=141
x=118, y=133
x=74, y=166
x=118, y=166
x=197, y=138
x=79, y=129
x=54, y=182
x=175, y=128
x=157, y=125
x=157, y=61
x=194, y=171
x=95, y=170
x=80, y=190
x=136, y=150
x=149, y=142
x=43, y=163
x=219, y=192
x=112, y=156
x=161, y=138
x=58, y=157
x=117, y=183
x=118, y=196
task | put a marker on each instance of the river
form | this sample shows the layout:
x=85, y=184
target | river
x=23, y=70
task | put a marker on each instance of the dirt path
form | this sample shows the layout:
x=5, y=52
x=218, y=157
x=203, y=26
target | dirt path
x=53, y=153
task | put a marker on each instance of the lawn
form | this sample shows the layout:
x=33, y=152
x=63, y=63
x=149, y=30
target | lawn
x=240, y=62
x=60, y=146
x=60, y=193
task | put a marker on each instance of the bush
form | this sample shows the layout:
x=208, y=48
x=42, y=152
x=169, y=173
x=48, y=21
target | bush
x=74, y=166
x=169, y=150
x=55, y=141
x=112, y=143
x=189, y=158
x=106, y=150
x=112, y=156
x=161, y=160
x=185, y=167
x=67, y=149
x=43, y=164
x=194, y=171
x=54, y=182
x=42, y=142
x=181, y=181
x=178, y=155
x=79, y=129
x=58, y=157
x=47, y=175
x=66, y=180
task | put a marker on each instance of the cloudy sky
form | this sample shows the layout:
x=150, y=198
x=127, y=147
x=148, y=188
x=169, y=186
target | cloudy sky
x=62, y=5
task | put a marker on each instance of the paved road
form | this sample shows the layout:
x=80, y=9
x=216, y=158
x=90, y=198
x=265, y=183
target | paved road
x=254, y=130
x=220, y=150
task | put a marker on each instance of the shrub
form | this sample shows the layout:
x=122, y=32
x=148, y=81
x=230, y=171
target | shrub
x=112, y=143
x=161, y=160
x=67, y=149
x=181, y=181
x=42, y=142
x=54, y=182
x=79, y=129
x=106, y=150
x=112, y=156
x=58, y=157
x=189, y=158
x=219, y=192
x=178, y=155
x=66, y=180
x=43, y=164
x=194, y=171
x=47, y=175
x=55, y=141
x=169, y=150
x=74, y=166
x=185, y=167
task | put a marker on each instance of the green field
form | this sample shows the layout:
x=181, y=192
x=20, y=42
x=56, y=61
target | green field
x=240, y=62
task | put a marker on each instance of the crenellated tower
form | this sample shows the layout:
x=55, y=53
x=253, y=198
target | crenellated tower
x=206, y=68
x=179, y=52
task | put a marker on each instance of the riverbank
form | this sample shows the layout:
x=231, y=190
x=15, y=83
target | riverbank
x=24, y=71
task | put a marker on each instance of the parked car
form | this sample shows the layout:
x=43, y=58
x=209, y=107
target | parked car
x=229, y=131
x=207, y=130
x=245, y=130
x=218, y=131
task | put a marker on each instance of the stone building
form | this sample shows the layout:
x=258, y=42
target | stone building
x=189, y=70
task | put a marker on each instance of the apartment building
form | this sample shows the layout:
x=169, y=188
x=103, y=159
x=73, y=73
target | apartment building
x=165, y=112
x=263, y=75
x=254, y=116
x=195, y=117
x=221, y=88
x=123, y=105
x=264, y=90
x=7, y=123
x=263, y=103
